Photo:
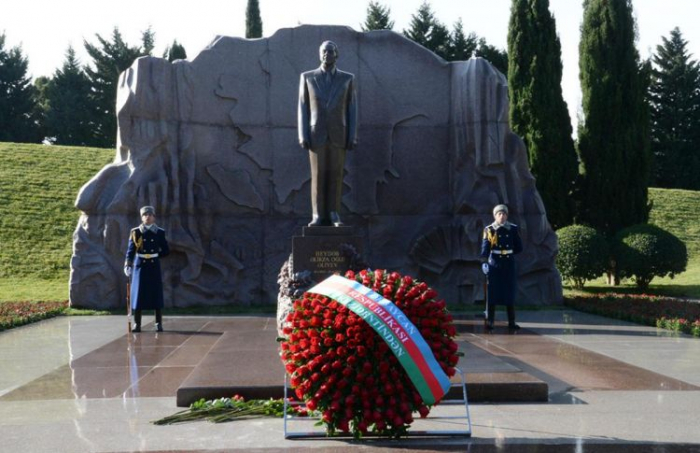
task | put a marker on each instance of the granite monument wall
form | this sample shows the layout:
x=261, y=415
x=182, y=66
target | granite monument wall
x=212, y=144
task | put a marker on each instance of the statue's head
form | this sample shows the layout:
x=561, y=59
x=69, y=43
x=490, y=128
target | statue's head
x=328, y=53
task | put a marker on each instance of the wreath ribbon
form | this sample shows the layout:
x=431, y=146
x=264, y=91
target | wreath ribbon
x=394, y=327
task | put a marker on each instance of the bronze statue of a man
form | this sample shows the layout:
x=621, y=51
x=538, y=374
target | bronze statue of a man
x=327, y=122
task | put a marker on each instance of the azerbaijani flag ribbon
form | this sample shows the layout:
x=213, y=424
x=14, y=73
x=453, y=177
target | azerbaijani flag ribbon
x=399, y=333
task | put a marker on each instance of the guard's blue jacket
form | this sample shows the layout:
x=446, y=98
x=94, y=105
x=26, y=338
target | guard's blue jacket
x=146, y=248
x=499, y=246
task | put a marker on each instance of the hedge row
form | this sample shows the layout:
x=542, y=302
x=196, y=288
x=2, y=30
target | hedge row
x=14, y=314
x=663, y=312
x=640, y=252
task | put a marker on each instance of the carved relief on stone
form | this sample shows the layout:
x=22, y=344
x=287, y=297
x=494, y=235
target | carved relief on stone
x=212, y=144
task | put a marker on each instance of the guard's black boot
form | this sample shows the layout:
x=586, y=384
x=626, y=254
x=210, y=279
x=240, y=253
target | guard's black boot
x=137, y=321
x=491, y=314
x=511, y=318
x=159, y=320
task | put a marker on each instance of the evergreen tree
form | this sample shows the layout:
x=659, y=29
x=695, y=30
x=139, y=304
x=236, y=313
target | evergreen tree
x=614, y=134
x=494, y=55
x=148, y=41
x=538, y=112
x=253, y=22
x=109, y=59
x=429, y=32
x=175, y=52
x=462, y=47
x=17, y=96
x=377, y=18
x=675, y=115
x=69, y=110
x=41, y=105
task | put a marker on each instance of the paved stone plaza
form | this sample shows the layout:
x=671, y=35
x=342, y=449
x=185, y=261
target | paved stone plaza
x=80, y=385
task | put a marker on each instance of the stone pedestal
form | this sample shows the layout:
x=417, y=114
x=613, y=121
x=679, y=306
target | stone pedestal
x=324, y=251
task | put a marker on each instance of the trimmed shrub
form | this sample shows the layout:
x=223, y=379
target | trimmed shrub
x=583, y=254
x=646, y=251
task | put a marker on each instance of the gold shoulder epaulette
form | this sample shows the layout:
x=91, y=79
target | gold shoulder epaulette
x=137, y=239
x=491, y=236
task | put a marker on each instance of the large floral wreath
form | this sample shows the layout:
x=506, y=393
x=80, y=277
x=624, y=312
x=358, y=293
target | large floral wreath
x=341, y=368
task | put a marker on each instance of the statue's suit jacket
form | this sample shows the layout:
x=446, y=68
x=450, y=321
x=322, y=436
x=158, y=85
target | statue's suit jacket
x=327, y=113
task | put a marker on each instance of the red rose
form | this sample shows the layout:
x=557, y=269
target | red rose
x=327, y=416
x=362, y=426
x=344, y=370
x=423, y=411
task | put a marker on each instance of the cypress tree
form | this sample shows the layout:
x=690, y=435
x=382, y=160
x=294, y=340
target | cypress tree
x=613, y=143
x=462, y=47
x=68, y=113
x=109, y=59
x=675, y=115
x=377, y=18
x=17, y=97
x=429, y=32
x=175, y=52
x=538, y=112
x=253, y=22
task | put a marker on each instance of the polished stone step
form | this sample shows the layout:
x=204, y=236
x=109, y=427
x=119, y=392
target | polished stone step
x=245, y=361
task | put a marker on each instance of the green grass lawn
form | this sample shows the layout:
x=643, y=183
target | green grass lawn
x=38, y=188
x=39, y=185
x=33, y=289
x=677, y=211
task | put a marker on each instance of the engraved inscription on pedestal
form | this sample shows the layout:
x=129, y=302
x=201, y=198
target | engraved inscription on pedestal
x=324, y=251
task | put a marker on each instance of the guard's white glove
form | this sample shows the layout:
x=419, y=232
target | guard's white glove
x=485, y=268
x=127, y=271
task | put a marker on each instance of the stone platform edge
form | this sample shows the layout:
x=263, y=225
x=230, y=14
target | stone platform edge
x=515, y=388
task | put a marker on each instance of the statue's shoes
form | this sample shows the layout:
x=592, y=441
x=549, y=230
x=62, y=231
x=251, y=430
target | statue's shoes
x=317, y=221
x=335, y=218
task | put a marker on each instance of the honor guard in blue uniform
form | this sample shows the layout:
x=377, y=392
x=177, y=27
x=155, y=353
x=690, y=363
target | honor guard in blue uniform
x=500, y=244
x=147, y=245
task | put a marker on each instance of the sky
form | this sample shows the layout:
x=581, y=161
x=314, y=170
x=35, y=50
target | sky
x=45, y=28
